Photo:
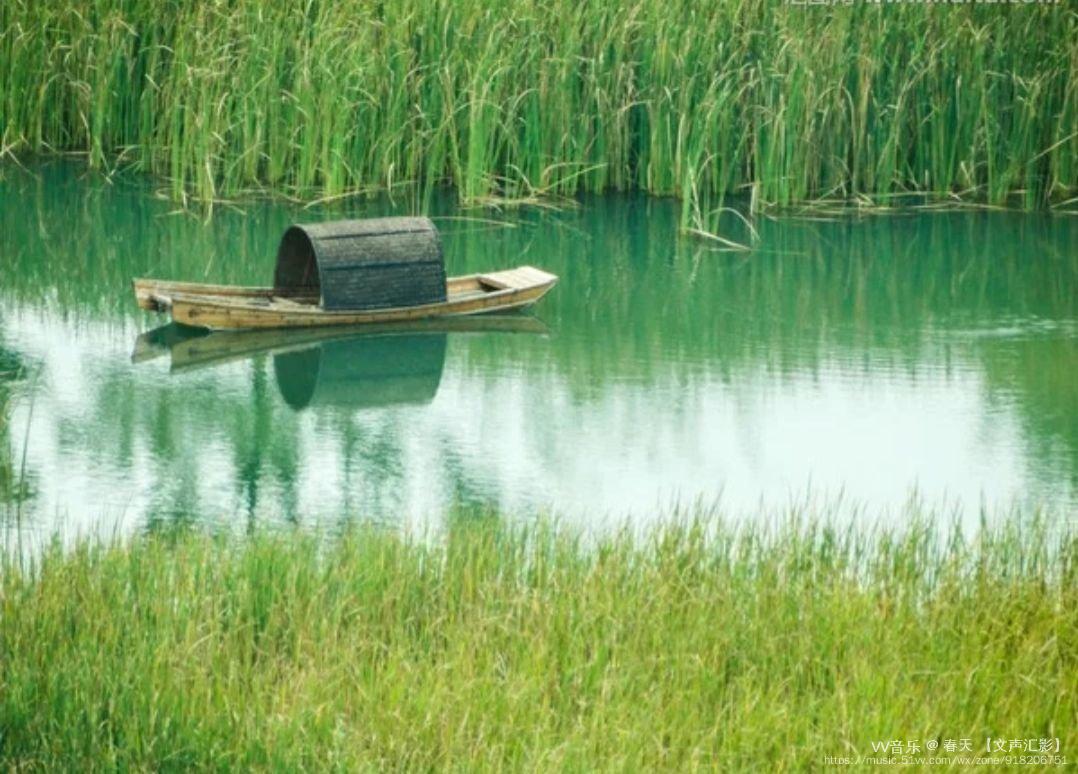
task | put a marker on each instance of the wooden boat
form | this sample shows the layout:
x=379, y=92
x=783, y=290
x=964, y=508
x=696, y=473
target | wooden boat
x=382, y=270
x=223, y=307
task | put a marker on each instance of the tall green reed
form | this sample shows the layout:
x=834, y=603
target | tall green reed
x=526, y=98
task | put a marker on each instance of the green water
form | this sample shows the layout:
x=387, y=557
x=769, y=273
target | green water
x=861, y=359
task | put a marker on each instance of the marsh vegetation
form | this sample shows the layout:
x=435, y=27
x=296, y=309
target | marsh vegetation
x=701, y=644
x=528, y=99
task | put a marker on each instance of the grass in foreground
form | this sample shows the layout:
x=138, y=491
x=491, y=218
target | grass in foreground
x=692, y=646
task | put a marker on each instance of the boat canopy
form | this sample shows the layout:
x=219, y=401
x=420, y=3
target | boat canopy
x=375, y=263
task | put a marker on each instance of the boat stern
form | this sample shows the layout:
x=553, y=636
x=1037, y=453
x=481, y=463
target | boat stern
x=149, y=297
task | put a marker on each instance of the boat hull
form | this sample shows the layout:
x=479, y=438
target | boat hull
x=225, y=307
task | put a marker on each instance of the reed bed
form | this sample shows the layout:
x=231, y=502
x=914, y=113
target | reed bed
x=526, y=99
x=699, y=644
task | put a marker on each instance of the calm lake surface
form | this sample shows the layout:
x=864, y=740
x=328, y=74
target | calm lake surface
x=865, y=359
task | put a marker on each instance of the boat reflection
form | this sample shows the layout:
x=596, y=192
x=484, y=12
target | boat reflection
x=376, y=365
x=362, y=372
